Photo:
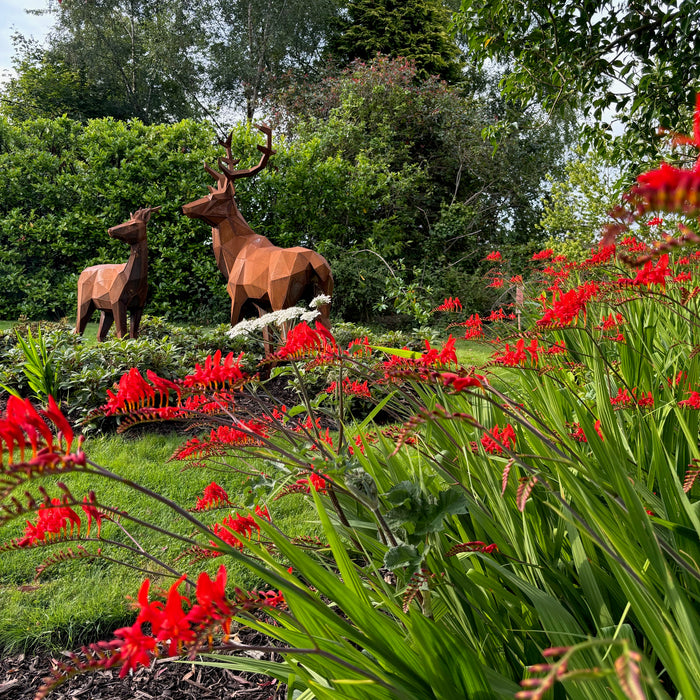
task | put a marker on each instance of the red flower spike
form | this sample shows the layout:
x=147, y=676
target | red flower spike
x=134, y=649
x=215, y=373
x=214, y=497
x=496, y=439
x=211, y=600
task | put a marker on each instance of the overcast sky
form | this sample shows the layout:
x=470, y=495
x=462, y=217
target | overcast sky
x=14, y=18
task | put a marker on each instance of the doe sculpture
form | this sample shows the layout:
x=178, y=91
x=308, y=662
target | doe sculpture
x=116, y=289
x=256, y=270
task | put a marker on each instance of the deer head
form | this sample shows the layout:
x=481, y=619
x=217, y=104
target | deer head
x=215, y=207
x=134, y=229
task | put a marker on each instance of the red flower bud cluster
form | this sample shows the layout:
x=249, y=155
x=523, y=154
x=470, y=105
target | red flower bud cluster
x=449, y=304
x=216, y=373
x=518, y=355
x=56, y=519
x=302, y=340
x=354, y=388
x=496, y=439
x=232, y=529
x=214, y=497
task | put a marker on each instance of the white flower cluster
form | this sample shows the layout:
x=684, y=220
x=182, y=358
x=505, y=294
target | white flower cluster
x=275, y=318
x=320, y=300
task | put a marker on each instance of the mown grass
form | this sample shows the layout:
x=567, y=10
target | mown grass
x=78, y=602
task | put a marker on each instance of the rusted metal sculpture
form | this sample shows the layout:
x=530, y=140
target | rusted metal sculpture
x=256, y=271
x=116, y=289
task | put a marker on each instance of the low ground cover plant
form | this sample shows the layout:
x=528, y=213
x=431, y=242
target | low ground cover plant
x=484, y=539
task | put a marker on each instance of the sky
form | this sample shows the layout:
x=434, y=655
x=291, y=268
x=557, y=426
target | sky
x=14, y=18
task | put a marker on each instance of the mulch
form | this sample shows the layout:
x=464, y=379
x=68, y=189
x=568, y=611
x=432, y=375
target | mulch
x=21, y=675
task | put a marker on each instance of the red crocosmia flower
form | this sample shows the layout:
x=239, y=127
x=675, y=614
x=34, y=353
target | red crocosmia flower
x=351, y=388
x=518, y=356
x=133, y=648
x=598, y=429
x=651, y=274
x=693, y=401
x=543, y=254
x=559, y=348
x=53, y=413
x=578, y=433
x=174, y=626
x=214, y=497
x=92, y=513
x=516, y=279
x=215, y=372
x=495, y=256
x=633, y=245
x=150, y=611
x=567, y=307
x=497, y=315
x=655, y=221
x=474, y=327
x=496, y=283
x=163, y=387
x=496, y=439
x=683, y=277
x=449, y=304
x=459, y=383
x=212, y=603
x=133, y=391
x=645, y=401
x=623, y=398
x=53, y=519
x=611, y=321
x=303, y=340
x=603, y=254
x=360, y=347
x=444, y=356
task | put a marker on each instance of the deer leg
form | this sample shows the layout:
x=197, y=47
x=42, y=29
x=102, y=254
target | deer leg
x=136, y=314
x=106, y=319
x=238, y=298
x=84, y=313
x=119, y=310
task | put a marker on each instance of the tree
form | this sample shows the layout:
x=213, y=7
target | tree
x=255, y=41
x=416, y=30
x=635, y=60
x=441, y=198
x=129, y=58
x=47, y=88
x=578, y=205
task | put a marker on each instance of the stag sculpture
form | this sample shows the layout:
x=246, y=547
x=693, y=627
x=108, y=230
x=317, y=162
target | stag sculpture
x=116, y=289
x=257, y=272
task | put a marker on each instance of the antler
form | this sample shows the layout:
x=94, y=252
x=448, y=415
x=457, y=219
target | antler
x=144, y=214
x=227, y=164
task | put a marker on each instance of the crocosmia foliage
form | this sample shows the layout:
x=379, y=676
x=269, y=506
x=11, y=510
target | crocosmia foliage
x=517, y=529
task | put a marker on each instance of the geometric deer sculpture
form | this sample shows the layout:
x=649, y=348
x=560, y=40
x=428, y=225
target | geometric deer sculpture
x=257, y=272
x=116, y=289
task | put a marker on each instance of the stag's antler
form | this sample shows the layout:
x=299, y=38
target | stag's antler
x=144, y=214
x=228, y=174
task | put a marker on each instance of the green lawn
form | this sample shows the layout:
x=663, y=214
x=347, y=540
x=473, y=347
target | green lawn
x=78, y=602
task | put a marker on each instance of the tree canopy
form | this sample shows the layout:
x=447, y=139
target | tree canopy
x=413, y=29
x=636, y=61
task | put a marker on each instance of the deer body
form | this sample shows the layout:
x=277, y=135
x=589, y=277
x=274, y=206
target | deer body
x=256, y=270
x=117, y=289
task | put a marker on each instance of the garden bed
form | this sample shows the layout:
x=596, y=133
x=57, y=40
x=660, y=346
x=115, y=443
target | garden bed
x=21, y=675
